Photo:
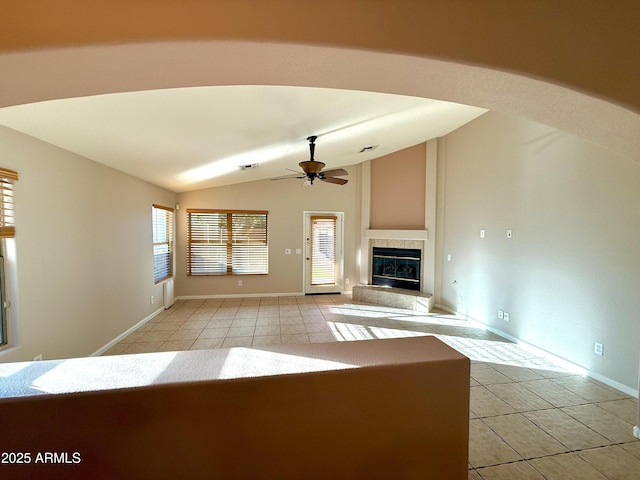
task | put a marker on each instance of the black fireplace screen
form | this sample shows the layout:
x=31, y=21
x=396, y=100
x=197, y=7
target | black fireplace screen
x=396, y=267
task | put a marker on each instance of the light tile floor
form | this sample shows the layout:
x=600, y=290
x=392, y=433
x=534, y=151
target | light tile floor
x=530, y=418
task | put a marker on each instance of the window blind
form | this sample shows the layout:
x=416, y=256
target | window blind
x=224, y=242
x=162, y=243
x=323, y=250
x=7, y=226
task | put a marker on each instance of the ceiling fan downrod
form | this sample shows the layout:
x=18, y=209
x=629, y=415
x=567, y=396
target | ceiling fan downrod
x=312, y=145
x=311, y=167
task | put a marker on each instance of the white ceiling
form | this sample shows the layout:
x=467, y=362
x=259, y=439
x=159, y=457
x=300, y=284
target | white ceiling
x=190, y=138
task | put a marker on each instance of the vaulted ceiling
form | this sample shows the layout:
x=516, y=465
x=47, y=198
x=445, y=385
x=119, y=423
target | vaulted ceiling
x=189, y=138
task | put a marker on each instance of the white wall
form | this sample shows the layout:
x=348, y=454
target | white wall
x=286, y=200
x=84, y=261
x=569, y=276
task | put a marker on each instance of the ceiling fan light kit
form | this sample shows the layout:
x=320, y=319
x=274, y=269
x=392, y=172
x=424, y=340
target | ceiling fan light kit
x=312, y=169
x=311, y=166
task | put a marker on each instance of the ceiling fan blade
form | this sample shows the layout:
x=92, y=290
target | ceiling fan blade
x=335, y=172
x=296, y=171
x=289, y=177
x=337, y=181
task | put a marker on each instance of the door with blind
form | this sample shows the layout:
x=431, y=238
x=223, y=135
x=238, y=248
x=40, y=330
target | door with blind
x=323, y=252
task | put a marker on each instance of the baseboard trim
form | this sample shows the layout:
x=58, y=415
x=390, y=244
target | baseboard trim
x=252, y=295
x=446, y=309
x=116, y=340
x=238, y=295
x=562, y=361
x=569, y=365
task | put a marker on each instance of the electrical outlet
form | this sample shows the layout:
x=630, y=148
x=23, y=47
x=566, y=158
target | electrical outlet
x=482, y=233
x=152, y=300
x=500, y=314
x=448, y=257
x=598, y=349
x=347, y=281
x=239, y=283
x=459, y=299
x=506, y=317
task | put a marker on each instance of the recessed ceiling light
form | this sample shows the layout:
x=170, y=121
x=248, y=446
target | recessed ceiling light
x=369, y=148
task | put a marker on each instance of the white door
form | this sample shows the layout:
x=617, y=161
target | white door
x=323, y=252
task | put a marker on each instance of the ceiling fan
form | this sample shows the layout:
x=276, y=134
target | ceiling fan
x=312, y=169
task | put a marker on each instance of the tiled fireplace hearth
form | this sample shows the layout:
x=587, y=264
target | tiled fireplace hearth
x=399, y=279
x=393, y=297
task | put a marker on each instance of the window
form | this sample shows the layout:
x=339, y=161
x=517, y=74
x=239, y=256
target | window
x=225, y=242
x=162, y=243
x=3, y=316
x=323, y=250
x=7, y=230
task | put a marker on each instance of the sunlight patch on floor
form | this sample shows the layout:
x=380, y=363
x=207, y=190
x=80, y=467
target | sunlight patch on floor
x=469, y=337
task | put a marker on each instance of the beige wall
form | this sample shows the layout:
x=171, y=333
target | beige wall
x=398, y=189
x=83, y=261
x=286, y=200
x=569, y=275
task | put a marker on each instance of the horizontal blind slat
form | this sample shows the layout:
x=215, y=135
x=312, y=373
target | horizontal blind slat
x=323, y=250
x=227, y=241
x=162, y=219
x=7, y=226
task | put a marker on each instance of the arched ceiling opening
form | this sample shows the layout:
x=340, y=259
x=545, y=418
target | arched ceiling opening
x=534, y=65
x=589, y=47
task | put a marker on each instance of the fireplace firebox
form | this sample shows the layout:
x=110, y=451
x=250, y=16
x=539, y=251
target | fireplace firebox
x=396, y=267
